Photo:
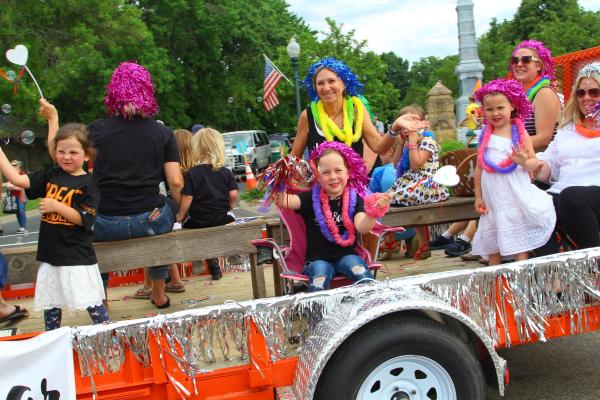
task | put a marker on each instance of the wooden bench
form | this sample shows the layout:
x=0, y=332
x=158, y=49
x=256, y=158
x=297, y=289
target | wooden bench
x=178, y=246
x=452, y=210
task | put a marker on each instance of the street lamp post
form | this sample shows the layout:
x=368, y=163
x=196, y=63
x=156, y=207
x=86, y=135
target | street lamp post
x=293, y=50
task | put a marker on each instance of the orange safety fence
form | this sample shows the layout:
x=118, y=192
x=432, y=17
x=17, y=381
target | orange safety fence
x=568, y=65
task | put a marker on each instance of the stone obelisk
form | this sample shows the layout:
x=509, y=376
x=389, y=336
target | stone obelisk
x=469, y=68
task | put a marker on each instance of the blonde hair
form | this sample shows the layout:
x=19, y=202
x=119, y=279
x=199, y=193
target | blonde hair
x=209, y=148
x=183, y=137
x=571, y=112
x=412, y=109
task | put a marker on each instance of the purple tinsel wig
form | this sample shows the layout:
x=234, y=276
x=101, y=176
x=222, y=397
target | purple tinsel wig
x=513, y=92
x=131, y=91
x=543, y=53
x=358, y=178
x=353, y=85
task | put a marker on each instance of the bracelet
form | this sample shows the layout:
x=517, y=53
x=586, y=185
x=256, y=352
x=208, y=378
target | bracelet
x=392, y=132
x=371, y=208
x=412, y=146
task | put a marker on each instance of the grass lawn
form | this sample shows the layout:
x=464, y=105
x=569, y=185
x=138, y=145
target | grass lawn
x=31, y=205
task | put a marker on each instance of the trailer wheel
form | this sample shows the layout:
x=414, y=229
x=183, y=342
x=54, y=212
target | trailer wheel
x=402, y=359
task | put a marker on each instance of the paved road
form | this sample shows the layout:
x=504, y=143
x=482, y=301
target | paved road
x=561, y=369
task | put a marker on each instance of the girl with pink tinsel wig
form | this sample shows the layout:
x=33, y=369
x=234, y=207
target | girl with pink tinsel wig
x=334, y=212
x=516, y=216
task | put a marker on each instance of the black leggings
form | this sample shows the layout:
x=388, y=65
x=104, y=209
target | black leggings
x=578, y=213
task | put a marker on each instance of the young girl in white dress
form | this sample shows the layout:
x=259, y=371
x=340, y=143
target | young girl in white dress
x=516, y=216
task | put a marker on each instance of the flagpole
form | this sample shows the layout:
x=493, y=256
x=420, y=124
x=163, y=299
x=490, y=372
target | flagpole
x=277, y=69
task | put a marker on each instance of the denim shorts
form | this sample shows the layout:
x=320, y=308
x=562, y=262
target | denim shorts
x=108, y=228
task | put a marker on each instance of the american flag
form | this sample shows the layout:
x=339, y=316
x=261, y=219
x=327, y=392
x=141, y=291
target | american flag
x=272, y=79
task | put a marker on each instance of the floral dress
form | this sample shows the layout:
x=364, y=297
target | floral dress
x=416, y=186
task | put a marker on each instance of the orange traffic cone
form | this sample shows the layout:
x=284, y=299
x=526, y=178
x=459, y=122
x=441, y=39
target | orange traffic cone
x=250, y=178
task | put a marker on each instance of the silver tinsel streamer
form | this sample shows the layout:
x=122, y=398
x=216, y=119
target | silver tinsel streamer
x=536, y=289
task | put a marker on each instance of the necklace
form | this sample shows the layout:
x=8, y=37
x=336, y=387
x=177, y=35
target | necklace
x=535, y=87
x=587, y=132
x=327, y=225
x=345, y=135
x=508, y=165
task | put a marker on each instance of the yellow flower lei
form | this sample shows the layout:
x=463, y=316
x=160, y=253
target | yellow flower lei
x=345, y=135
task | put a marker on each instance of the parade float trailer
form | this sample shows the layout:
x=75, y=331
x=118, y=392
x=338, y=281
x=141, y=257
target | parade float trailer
x=432, y=336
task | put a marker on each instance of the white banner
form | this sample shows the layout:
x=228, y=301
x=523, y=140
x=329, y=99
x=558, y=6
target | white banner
x=40, y=368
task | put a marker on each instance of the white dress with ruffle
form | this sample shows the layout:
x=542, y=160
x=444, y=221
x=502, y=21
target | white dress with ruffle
x=520, y=216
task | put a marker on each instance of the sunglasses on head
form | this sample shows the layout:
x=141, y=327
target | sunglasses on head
x=525, y=60
x=594, y=93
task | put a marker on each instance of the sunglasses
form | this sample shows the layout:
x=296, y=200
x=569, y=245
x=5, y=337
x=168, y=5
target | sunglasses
x=525, y=60
x=594, y=93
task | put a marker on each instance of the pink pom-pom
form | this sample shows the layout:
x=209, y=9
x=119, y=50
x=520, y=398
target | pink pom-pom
x=371, y=208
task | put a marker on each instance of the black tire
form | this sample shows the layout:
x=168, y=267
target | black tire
x=383, y=340
x=254, y=167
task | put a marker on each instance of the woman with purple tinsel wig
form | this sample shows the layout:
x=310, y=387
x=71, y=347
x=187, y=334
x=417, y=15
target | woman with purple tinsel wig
x=571, y=164
x=531, y=64
x=133, y=153
x=337, y=112
x=334, y=213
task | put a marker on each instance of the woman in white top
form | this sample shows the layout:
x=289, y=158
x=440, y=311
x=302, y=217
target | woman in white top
x=571, y=163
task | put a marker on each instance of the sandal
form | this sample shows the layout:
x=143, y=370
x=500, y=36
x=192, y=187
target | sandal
x=175, y=288
x=142, y=293
x=422, y=252
x=16, y=315
x=166, y=304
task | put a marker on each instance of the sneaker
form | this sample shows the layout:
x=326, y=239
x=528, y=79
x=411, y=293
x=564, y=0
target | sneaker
x=440, y=243
x=22, y=231
x=458, y=248
x=470, y=257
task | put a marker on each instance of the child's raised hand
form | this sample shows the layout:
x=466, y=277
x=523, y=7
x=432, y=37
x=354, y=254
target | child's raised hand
x=47, y=110
x=480, y=207
x=519, y=155
x=48, y=205
x=383, y=200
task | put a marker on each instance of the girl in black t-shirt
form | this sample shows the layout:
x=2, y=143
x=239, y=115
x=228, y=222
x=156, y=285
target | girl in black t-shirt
x=68, y=275
x=209, y=190
x=334, y=212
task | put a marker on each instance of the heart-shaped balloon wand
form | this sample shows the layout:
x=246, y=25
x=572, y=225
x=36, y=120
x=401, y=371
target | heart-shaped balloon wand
x=18, y=56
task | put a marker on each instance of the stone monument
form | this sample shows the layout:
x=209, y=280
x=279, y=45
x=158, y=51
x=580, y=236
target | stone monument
x=440, y=112
x=469, y=68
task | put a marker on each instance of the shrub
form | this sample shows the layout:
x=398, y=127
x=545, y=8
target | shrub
x=450, y=145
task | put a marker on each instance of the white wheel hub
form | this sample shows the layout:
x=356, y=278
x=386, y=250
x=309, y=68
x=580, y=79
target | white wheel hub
x=408, y=377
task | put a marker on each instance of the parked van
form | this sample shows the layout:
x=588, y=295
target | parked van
x=254, y=145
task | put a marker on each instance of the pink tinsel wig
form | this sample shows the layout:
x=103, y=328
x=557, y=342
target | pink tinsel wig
x=513, y=92
x=130, y=92
x=543, y=53
x=358, y=178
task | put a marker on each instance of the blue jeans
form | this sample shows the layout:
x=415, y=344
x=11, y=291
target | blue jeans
x=108, y=228
x=21, y=216
x=321, y=272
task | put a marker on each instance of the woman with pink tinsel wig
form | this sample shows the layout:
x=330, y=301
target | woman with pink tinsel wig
x=134, y=152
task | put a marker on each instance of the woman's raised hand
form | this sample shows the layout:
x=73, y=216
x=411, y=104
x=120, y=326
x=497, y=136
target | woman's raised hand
x=409, y=122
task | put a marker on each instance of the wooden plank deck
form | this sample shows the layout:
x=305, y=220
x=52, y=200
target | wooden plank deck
x=233, y=286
